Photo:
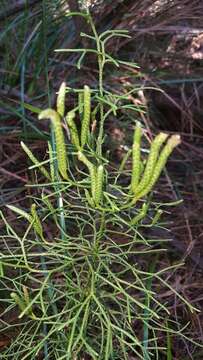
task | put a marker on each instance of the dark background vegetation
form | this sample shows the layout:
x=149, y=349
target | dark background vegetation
x=167, y=43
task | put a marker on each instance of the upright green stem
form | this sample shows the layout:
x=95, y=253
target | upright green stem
x=60, y=198
x=99, y=233
x=101, y=62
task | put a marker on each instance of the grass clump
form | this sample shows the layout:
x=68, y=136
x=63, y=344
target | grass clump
x=78, y=272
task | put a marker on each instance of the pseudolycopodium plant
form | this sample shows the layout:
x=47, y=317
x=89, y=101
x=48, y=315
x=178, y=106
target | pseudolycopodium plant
x=82, y=267
x=143, y=177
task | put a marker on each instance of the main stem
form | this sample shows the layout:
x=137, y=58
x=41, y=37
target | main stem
x=101, y=62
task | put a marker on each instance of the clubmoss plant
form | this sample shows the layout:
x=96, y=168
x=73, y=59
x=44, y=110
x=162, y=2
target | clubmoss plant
x=73, y=129
x=35, y=161
x=60, y=104
x=86, y=115
x=151, y=161
x=81, y=281
x=54, y=116
x=136, y=161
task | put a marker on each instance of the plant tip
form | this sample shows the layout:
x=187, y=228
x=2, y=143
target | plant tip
x=174, y=140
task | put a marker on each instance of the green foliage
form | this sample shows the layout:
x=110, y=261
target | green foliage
x=151, y=161
x=82, y=288
x=35, y=161
x=157, y=167
x=73, y=129
x=86, y=116
x=60, y=106
x=59, y=138
x=136, y=161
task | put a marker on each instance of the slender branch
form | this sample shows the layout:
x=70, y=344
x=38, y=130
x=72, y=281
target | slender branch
x=79, y=21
